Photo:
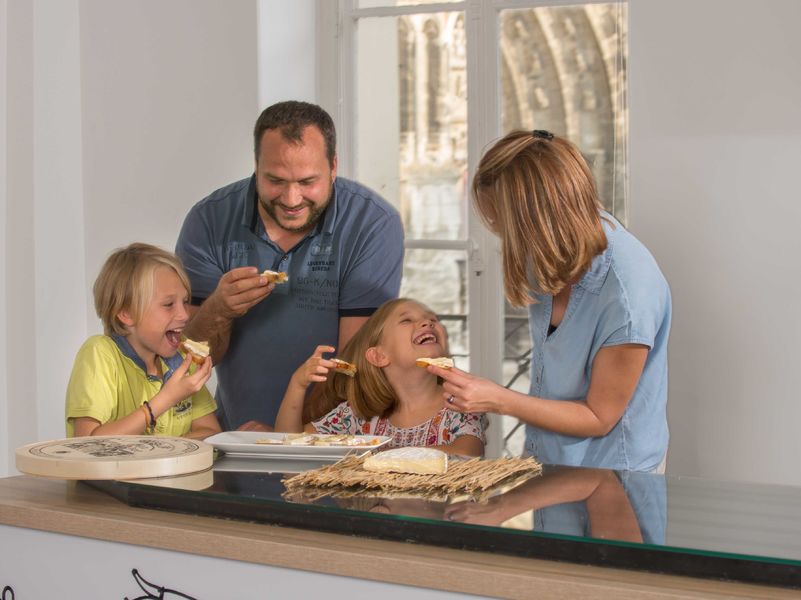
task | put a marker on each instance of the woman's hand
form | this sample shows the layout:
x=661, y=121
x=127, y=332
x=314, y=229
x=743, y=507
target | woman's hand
x=467, y=393
x=477, y=513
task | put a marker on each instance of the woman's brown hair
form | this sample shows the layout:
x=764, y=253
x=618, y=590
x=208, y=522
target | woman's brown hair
x=537, y=193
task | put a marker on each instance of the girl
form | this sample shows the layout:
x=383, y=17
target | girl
x=389, y=395
x=132, y=380
x=599, y=312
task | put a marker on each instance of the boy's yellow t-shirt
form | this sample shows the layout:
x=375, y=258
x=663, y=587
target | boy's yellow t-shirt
x=107, y=385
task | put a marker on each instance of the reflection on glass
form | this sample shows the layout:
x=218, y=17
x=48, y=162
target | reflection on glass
x=564, y=69
x=593, y=503
x=411, y=130
x=754, y=528
x=438, y=279
x=585, y=503
x=377, y=3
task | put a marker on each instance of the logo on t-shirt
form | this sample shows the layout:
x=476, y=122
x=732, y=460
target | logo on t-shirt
x=182, y=406
x=321, y=249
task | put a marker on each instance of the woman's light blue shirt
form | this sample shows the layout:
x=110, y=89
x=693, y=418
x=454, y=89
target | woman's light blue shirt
x=622, y=299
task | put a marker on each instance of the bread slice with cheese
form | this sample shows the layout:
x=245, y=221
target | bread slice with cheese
x=443, y=362
x=275, y=276
x=419, y=461
x=199, y=351
x=344, y=367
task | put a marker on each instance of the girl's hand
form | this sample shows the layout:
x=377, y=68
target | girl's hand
x=314, y=370
x=181, y=384
x=467, y=393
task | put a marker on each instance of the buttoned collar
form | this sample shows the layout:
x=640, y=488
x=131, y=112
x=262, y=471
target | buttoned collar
x=172, y=362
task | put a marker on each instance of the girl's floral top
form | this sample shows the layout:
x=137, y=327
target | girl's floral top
x=443, y=428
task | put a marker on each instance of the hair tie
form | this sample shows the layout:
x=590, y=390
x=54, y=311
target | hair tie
x=542, y=134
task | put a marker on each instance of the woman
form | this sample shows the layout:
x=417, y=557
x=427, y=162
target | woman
x=599, y=312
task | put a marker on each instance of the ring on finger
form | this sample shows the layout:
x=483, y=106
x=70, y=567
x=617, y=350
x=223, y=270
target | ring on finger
x=450, y=399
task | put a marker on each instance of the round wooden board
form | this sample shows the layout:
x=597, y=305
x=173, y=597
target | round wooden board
x=115, y=457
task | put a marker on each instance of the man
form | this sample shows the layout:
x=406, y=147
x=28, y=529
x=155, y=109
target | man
x=340, y=243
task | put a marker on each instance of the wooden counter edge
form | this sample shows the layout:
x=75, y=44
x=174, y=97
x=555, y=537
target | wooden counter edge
x=75, y=509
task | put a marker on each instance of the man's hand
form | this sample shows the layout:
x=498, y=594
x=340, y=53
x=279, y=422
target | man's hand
x=238, y=291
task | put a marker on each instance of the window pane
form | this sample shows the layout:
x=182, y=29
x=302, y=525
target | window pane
x=564, y=69
x=438, y=279
x=411, y=124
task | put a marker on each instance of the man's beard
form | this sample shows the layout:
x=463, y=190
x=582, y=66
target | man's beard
x=315, y=212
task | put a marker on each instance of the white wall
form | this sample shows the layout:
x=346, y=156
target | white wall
x=287, y=44
x=119, y=115
x=58, y=207
x=19, y=402
x=715, y=100
x=4, y=229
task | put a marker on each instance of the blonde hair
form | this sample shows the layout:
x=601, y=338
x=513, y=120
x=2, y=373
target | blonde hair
x=537, y=193
x=125, y=283
x=369, y=393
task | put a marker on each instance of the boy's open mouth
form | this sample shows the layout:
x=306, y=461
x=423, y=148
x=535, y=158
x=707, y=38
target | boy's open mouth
x=174, y=337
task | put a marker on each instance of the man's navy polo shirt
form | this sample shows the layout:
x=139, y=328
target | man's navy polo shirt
x=347, y=266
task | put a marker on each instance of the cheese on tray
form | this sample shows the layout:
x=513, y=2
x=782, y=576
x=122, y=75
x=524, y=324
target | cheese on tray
x=420, y=461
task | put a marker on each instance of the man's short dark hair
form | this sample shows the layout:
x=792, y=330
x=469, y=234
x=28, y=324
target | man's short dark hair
x=291, y=118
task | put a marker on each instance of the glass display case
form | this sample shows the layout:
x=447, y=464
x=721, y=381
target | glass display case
x=675, y=525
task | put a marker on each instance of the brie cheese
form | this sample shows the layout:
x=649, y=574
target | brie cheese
x=421, y=461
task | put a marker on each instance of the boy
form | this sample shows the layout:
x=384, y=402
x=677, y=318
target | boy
x=132, y=380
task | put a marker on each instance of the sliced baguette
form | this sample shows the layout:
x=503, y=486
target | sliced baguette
x=443, y=362
x=344, y=367
x=275, y=276
x=199, y=351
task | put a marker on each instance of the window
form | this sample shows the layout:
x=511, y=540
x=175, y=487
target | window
x=422, y=88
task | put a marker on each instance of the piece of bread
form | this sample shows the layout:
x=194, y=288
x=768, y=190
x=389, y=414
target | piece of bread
x=199, y=351
x=275, y=276
x=419, y=461
x=443, y=362
x=343, y=367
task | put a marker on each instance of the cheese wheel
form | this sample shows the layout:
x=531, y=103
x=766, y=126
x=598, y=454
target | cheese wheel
x=115, y=457
x=420, y=461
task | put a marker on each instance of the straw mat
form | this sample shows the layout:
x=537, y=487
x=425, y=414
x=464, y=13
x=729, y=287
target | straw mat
x=475, y=477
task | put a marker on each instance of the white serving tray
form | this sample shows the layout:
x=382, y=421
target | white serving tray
x=244, y=444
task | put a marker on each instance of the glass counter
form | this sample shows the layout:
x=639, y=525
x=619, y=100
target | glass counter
x=665, y=524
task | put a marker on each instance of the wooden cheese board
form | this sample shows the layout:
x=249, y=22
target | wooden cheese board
x=115, y=457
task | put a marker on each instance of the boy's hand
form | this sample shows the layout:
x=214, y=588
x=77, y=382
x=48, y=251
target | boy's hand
x=315, y=369
x=181, y=384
